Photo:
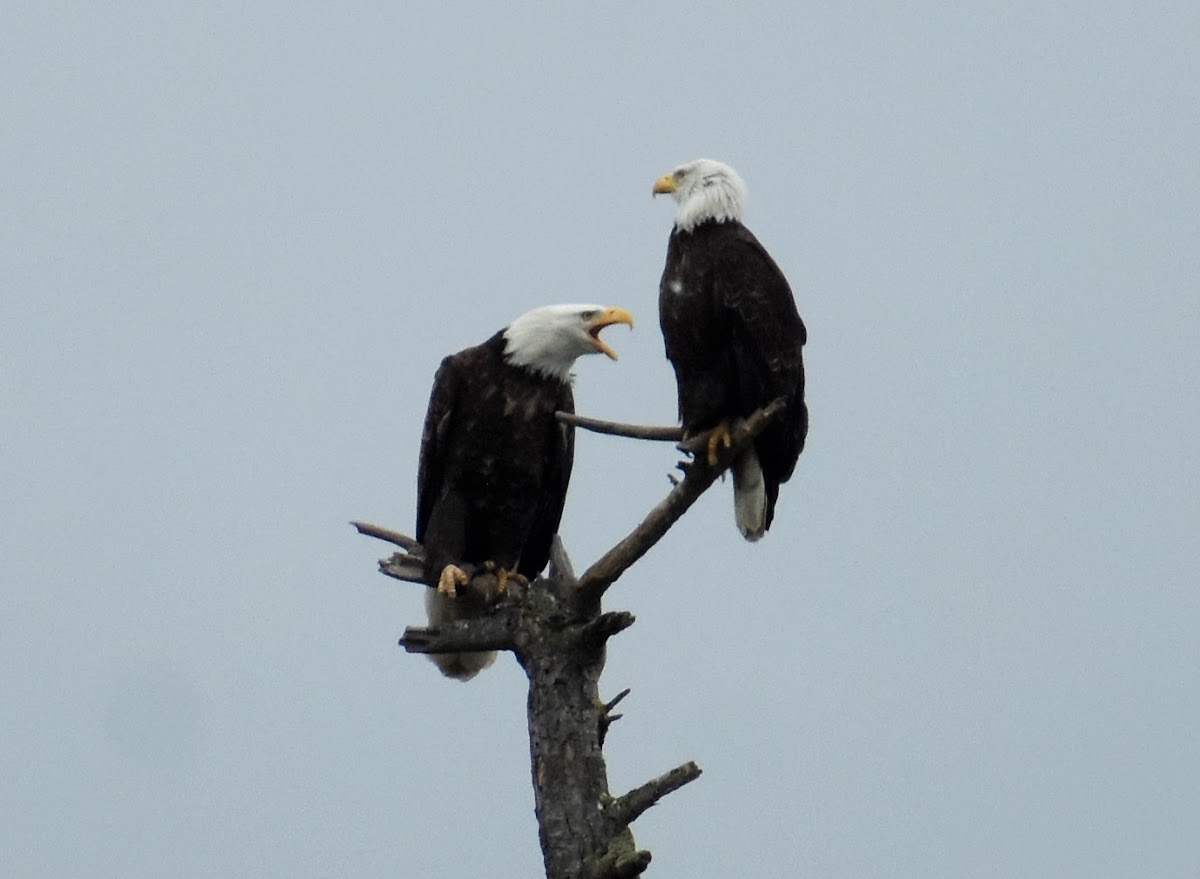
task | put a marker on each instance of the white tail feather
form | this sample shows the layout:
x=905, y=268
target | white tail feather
x=444, y=609
x=749, y=497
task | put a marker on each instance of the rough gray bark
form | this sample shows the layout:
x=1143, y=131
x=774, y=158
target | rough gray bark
x=558, y=632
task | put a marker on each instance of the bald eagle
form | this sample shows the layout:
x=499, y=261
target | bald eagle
x=494, y=461
x=732, y=333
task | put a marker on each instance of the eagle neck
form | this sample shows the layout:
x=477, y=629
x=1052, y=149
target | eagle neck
x=534, y=360
x=717, y=199
x=705, y=227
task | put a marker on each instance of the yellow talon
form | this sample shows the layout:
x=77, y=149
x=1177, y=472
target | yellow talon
x=503, y=576
x=452, y=577
x=720, y=436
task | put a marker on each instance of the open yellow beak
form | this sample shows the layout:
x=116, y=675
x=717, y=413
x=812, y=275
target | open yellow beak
x=665, y=184
x=606, y=318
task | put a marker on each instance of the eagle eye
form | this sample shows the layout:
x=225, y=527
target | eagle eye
x=588, y=315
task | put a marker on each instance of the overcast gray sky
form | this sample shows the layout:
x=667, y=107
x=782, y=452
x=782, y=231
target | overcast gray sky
x=236, y=241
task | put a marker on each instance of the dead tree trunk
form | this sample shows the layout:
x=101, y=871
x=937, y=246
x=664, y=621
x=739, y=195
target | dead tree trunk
x=558, y=632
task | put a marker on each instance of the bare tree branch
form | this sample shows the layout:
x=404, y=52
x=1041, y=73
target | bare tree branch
x=617, y=699
x=492, y=632
x=626, y=809
x=409, y=565
x=402, y=566
x=483, y=586
x=606, y=625
x=561, y=568
x=401, y=540
x=617, y=428
x=607, y=718
x=699, y=476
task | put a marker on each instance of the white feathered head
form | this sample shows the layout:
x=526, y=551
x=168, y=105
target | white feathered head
x=548, y=340
x=706, y=190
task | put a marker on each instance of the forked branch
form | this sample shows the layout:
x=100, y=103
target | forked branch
x=699, y=476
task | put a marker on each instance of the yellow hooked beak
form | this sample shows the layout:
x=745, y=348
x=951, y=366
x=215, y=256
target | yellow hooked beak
x=665, y=184
x=606, y=318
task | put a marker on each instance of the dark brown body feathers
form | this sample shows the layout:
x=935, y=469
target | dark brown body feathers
x=495, y=463
x=735, y=339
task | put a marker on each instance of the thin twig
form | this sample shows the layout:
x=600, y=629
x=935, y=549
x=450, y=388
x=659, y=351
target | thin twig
x=401, y=540
x=616, y=700
x=607, y=718
x=617, y=428
x=401, y=566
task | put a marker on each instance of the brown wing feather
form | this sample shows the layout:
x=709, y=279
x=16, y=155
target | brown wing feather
x=439, y=419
